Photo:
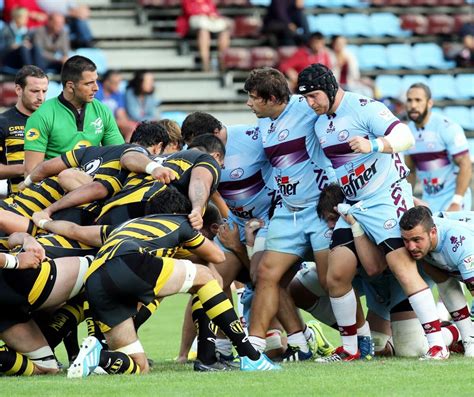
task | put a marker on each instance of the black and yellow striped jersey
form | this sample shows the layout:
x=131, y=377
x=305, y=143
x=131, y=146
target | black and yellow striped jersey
x=12, y=137
x=158, y=235
x=130, y=202
x=4, y=248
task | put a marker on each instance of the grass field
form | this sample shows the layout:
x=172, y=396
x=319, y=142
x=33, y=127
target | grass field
x=160, y=337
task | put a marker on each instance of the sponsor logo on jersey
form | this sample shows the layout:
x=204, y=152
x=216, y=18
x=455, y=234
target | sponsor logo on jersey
x=283, y=135
x=285, y=186
x=330, y=128
x=342, y=135
x=32, y=135
x=237, y=173
x=82, y=144
x=456, y=242
x=241, y=212
x=98, y=125
x=389, y=224
x=433, y=185
x=469, y=262
x=357, y=178
x=253, y=133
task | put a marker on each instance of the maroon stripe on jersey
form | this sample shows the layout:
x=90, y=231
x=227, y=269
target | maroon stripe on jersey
x=289, y=153
x=429, y=161
x=461, y=153
x=340, y=154
x=391, y=126
x=241, y=189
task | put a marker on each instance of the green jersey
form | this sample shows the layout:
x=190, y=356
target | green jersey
x=57, y=127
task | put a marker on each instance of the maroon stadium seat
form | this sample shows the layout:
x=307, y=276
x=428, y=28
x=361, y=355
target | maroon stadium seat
x=452, y=2
x=399, y=2
x=8, y=95
x=426, y=3
x=461, y=19
x=440, y=24
x=247, y=26
x=263, y=56
x=229, y=3
x=237, y=58
x=418, y=24
x=161, y=3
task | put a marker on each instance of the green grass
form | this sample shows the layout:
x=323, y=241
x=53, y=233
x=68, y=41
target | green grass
x=161, y=335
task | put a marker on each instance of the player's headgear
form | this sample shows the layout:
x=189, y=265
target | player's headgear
x=318, y=77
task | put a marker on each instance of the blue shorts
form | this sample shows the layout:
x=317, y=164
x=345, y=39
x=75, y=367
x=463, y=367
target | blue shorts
x=379, y=215
x=296, y=232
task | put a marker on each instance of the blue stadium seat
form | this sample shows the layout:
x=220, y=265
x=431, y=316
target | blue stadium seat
x=174, y=115
x=387, y=24
x=437, y=110
x=327, y=24
x=371, y=56
x=410, y=79
x=442, y=86
x=96, y=55
x=465, y=86
x=263, y=3
x=400, y=56
x=355, y=3
x=357, y=25
x=54, y=89
x=389, y=86
x=430, y=55
x=461, y=115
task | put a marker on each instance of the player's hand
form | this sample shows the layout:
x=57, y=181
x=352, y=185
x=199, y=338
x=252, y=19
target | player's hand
x=21, y=186
x=195, y=219
x=40, y=215
x=454, y=207
x=164, y=175
x=359, y=144
x=349, y=218
x=229, y=237
x=251, y=226
x=31, y=245
x=28, y=260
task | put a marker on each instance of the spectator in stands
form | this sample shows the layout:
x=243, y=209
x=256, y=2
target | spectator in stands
x=201, y=17
x=77, y=16
x=346, y=69
x=140, y=101
x=285, y=23
x=53, y=41
x=174, y=131
x=16, y=48
x=109, y=93
x=465, y=57
x=313, y=51
x=36, y=16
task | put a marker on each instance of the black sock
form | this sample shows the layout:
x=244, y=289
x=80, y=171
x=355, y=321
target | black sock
x=13, y=363
x=117, y=363
x=206, y=351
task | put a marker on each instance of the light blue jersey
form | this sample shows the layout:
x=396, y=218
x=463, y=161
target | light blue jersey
x=454, y=251
x=437, y=143
x=462, y=216
x=300, y=169
x=359, y=175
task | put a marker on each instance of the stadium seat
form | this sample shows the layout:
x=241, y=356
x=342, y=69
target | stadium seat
x=54, y=89
x=440, y=24
x=8, y=95
x=96, y=55
x=389, y=86
x=442, y=86
x=237, y=58
x=400, y=56
x=260, y=3
x=357, y=25
x=354, y=3
x=410, y=79
x=263, y=56
x=232, y=3
x=174, y=115
x=371, y=56
x=327, y=24
x=452, y=2
x=430, y=55
x=386, y=24
x=460, y=20
x=418, y=24
x=461, y=115
x=465, y=86
x=247, y=26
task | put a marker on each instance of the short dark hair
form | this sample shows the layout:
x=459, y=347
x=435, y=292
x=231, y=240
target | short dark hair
x=330, y=197
x=135, y=84
x=28, y=71
x=419, y=215
x=422, y=86
x=208, y=143
x=73, y=68
x=168, y=201
x=211, y=215
x=149, y=133
x=267, y=82
x=108, y=74
x=199, y=123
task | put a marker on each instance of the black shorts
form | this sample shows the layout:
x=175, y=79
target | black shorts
x=115, y=288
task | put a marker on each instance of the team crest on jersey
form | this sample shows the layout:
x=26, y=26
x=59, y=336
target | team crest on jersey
x=342, y=135
x=253, y=133
x=357, y=178
x=330, y=128
x=283, y=135
x=456, y=242
x=389, y=224
x=32, y=135
x=469, y=262
x=237, y=173
x=98, y=125
x=92, y=166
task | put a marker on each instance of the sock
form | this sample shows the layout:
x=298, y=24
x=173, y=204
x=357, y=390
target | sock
x=92, y=327
x=364, y=330
x=145, y=312
x=299, y=340
x=424, y=306
x=206, y=350
x=219, y=309
x=450, y=334
x=72, y=345
x=224, y=347
x=117, y=363
x=452, y=295
x=240, y=308
x=258, y=343
x=13, y=363
x=273, y=340
x=344, y=309
x=308, y=333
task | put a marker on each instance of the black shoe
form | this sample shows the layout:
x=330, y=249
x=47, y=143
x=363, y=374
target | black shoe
x=215, y=367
